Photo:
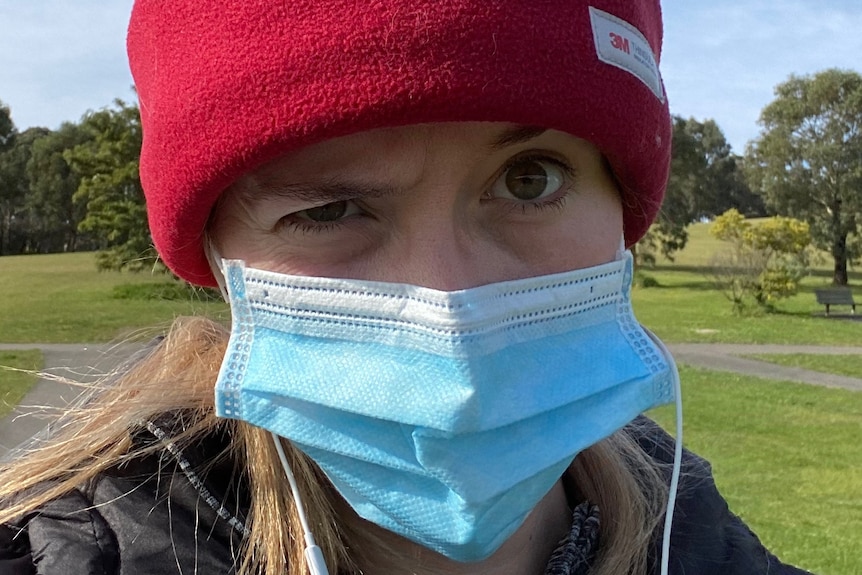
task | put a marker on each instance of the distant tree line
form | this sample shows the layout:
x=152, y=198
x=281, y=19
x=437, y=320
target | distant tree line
x=77, y=188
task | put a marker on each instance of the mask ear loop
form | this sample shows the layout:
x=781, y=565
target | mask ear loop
x=216, y=265
x=313, y=553
x=677, y=456
x=622, y=249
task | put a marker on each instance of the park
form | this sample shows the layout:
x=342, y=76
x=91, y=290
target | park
x=78, y=267
x=786, y=454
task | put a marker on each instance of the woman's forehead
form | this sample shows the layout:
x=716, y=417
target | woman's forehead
x=386, y=149
x=493, y=135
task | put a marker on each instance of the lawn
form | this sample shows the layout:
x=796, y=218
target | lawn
x=788, y=459
x=686, y=307
x=63, y=299
x=16, y=376
x=849, y=365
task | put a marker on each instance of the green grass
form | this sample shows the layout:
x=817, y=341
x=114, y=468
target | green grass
x=698, y=250
x=14, y=384
x=61, y=298
x=686, y=308
x=787, y=457
x=849, y=365
x=702, y=246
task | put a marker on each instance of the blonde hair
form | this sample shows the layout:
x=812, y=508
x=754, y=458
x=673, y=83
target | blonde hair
x=178, y=376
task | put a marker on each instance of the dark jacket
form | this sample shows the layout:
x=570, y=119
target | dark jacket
x=175, y=512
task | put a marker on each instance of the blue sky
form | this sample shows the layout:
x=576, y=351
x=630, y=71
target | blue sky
x=721, y=60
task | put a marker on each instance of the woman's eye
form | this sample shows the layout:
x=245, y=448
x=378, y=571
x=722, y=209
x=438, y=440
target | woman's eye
x=328, y=213
x=529, y=180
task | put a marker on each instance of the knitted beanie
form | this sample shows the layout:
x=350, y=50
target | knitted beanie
x=226, y=86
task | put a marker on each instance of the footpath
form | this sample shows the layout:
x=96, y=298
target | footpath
x=62, y=364
x=85, y=362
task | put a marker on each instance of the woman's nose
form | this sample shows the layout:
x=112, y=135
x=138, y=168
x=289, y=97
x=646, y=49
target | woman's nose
x=447, y=254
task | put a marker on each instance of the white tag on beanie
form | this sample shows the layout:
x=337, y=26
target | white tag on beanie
x=620, y=44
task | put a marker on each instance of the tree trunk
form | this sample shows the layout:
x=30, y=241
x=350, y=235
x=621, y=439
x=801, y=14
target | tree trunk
x=839, y=254
x=5, y=224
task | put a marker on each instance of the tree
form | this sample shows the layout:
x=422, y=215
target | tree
x=807, y=160
x=10, y=186
x=7, y=128
x=110, y=187
x=705, y=181
x=53, y=184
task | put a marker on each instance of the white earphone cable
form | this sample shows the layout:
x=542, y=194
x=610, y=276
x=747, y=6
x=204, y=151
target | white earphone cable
x=677, y=456
x=313, y=554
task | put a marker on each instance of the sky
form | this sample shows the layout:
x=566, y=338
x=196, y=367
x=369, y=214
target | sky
x=721, y=59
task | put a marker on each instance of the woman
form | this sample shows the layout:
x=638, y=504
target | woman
x=417, y=212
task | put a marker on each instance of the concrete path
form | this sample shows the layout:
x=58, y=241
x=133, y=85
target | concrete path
x=84, y=362
x=727, y=357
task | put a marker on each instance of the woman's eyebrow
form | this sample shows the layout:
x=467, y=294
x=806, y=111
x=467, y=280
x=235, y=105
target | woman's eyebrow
x=516, y=135
x=318, y=192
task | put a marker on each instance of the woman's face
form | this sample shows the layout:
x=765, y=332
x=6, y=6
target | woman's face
x=445, y=206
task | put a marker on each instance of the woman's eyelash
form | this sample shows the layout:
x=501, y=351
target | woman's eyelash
x=538, y=157
x=557, y=203
x=307, y=227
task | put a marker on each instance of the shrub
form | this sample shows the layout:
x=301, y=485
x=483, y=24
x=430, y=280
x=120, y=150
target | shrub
x=763, y=262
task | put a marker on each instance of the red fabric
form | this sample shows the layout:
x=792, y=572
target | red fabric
x=228, y=85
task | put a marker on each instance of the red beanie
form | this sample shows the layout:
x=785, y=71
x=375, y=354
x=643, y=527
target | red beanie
x=227, y=85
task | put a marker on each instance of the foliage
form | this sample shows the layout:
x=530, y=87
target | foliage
x=110, y=187
x=10, y=190
x=806, y=161
x=7, y=128
x=763, y=262
x=41, y=171
x=52, y=184
x=663, y=238
x=705, y=180
x=23, y=228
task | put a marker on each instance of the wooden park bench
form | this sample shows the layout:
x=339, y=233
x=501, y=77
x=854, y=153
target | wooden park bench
x=835, y=296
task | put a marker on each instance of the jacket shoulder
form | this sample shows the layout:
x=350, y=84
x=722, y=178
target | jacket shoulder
x=63, y=533
x=171, y=511
x=707, y=537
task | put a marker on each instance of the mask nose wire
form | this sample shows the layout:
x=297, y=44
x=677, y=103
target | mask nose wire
x=313, y=554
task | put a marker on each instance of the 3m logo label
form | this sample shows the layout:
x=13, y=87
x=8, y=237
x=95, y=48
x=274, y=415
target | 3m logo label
x=620, y=44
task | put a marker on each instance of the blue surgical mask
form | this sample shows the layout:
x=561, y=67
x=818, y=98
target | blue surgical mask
x=444, y=417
